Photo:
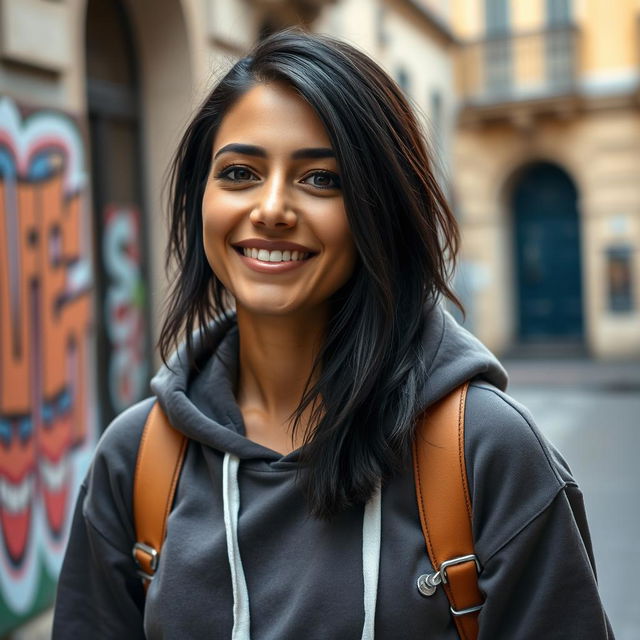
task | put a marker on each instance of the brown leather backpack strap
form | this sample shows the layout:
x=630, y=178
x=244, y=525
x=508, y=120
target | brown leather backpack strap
x=445, y=510
x=158, y=466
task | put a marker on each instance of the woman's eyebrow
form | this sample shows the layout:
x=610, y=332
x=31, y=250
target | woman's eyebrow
x=244, y=149
x=318, y=152
x=260, y=152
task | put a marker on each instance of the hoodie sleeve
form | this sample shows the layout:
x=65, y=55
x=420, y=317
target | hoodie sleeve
x=530, y=527
x=542, y=584
x=99, y=593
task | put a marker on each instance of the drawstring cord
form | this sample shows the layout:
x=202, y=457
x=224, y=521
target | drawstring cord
x=371, y=535
x=231, y=500
x=371, y=539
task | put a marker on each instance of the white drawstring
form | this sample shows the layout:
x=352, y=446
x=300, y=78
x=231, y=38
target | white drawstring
x=231, y=501
x=371, y=538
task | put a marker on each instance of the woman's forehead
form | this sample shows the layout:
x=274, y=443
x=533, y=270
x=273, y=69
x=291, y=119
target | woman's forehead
x=273, y=116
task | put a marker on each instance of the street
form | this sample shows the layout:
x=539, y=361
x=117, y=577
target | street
x=591, y=412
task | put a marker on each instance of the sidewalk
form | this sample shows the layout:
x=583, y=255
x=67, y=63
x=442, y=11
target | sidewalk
x=577, y=372
x=37, y=629
x=589, y=411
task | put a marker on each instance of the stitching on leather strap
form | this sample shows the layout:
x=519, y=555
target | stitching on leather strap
x=463, y=470
x=143, y=440
x=174, y=481
x=421, y=505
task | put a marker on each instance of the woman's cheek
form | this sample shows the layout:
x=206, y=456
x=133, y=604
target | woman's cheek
x=213, y=234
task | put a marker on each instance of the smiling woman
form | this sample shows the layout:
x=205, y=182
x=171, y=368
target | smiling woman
x=273, y=206
x=276, y=235
x=312, y=250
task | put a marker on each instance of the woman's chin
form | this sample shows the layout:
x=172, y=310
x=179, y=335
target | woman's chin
x=271, y=306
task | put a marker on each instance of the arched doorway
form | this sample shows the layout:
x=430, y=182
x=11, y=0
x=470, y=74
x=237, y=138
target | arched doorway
x=548, y=258
x=119, y=228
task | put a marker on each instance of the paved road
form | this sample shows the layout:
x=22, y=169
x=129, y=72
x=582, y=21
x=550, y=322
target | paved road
x=593, y=417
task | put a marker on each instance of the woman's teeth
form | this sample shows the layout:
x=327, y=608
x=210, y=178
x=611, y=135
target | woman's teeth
x=274, y=256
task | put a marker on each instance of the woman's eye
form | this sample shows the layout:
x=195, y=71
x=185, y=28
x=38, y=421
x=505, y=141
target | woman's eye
x=323, y=180
x=236, y=174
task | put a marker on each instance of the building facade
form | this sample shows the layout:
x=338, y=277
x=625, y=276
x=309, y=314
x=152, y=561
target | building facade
x=547, y=173
x=94, y=95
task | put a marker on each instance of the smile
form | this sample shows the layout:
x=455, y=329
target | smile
x=268, y=257
x=277, y=255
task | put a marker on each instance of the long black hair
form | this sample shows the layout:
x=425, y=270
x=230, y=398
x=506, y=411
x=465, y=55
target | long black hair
x=370, y=369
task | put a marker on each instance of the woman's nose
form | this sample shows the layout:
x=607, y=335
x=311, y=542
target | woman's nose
x=273, y=210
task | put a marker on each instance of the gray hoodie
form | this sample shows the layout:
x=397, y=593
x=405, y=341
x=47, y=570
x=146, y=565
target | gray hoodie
x=243, y=558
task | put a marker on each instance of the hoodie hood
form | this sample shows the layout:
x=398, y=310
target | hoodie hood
x=203, y=406
x=455, y=356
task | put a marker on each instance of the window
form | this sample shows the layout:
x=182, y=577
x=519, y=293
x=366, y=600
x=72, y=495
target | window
x=381, y=31
x=497, y=50
x=435, y=107
x=558, y=12
x=402, y=78
x=497, y=16
x=559, y=46
x=619, y=279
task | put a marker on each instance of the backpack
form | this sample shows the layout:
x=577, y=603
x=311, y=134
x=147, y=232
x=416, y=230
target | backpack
x=442, y=493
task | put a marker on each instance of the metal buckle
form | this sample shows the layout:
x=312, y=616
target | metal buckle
x=442, y=572
x=461, y=560
x=150, y=551
x=428, y=582
x=463, y=612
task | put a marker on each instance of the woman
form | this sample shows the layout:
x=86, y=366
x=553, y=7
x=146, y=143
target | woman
x=303, y=198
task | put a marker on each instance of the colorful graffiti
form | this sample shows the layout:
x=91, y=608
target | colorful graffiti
x=46, y=407
x=124, y=308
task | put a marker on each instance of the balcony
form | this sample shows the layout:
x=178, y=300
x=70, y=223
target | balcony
x=292, y=11
x=536, y=71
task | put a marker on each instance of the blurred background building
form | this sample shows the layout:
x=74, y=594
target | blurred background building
x=532, y=110
x=547, y=172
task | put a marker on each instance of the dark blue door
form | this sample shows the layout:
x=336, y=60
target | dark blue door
x=547, y=236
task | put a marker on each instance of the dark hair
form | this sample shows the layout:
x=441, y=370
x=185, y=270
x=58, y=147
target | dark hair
x=371, y=369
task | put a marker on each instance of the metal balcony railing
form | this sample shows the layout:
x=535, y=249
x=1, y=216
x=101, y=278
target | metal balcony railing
x=513, y=67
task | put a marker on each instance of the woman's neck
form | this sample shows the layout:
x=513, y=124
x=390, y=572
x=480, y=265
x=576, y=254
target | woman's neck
x=275, y=362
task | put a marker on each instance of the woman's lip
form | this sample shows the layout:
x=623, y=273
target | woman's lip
x=271, y=267
x=271, y=245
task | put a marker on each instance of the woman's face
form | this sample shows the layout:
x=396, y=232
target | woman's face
x=274, y=222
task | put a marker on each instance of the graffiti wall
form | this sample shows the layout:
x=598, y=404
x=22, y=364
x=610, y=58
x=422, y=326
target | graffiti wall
x=124, y=306
x=46, y=402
